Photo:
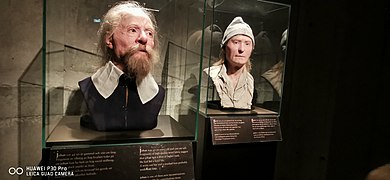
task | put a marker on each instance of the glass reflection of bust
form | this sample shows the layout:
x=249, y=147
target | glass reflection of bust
x=231, y=73
x=274, y=75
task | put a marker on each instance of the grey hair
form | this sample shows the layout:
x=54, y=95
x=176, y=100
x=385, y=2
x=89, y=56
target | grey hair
x=112, y=19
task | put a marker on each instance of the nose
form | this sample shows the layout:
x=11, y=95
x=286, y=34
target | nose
x=142, y=39
x=241, y=48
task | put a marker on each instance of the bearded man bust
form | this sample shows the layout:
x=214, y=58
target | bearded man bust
x=123, y=95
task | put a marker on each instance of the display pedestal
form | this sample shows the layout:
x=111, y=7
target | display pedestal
x=76, y=152
x=237, y=145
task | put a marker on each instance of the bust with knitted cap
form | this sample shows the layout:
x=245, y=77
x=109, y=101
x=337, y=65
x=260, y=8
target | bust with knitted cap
x=231, y=73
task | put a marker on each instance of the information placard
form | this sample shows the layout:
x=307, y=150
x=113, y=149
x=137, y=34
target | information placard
x=140, y=161
x=233, y=130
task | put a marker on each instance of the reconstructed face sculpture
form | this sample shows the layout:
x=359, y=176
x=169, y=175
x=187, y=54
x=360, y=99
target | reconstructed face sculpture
x=238, y=50
x=133, y=44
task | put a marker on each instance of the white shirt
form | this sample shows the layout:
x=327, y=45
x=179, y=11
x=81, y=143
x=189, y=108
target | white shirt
x=106, y=80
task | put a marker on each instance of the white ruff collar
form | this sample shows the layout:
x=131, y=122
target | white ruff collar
x=106, y=79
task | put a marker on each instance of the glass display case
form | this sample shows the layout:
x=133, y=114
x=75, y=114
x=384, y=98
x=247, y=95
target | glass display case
x=236, y=126
x=70, y=48
x=71, y=55
x=269, y=23
x=190, y=33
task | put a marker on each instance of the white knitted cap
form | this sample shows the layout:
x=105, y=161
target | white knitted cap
x=237, y=27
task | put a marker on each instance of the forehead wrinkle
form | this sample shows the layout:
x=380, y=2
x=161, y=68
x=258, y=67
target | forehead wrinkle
x=148, y=23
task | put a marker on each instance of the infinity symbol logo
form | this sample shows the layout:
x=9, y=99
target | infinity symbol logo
x=12, y=171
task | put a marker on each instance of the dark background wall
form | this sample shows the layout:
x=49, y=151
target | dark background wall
x=334, y=118
x=334, y=114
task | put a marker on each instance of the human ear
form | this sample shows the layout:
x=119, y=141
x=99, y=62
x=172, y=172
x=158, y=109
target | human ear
x=109, y=41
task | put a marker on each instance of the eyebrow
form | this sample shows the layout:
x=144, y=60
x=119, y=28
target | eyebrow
x=237, y=39
x=151, y=28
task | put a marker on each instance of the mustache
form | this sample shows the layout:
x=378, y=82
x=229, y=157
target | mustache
x=151, y=53
x=137, y=48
